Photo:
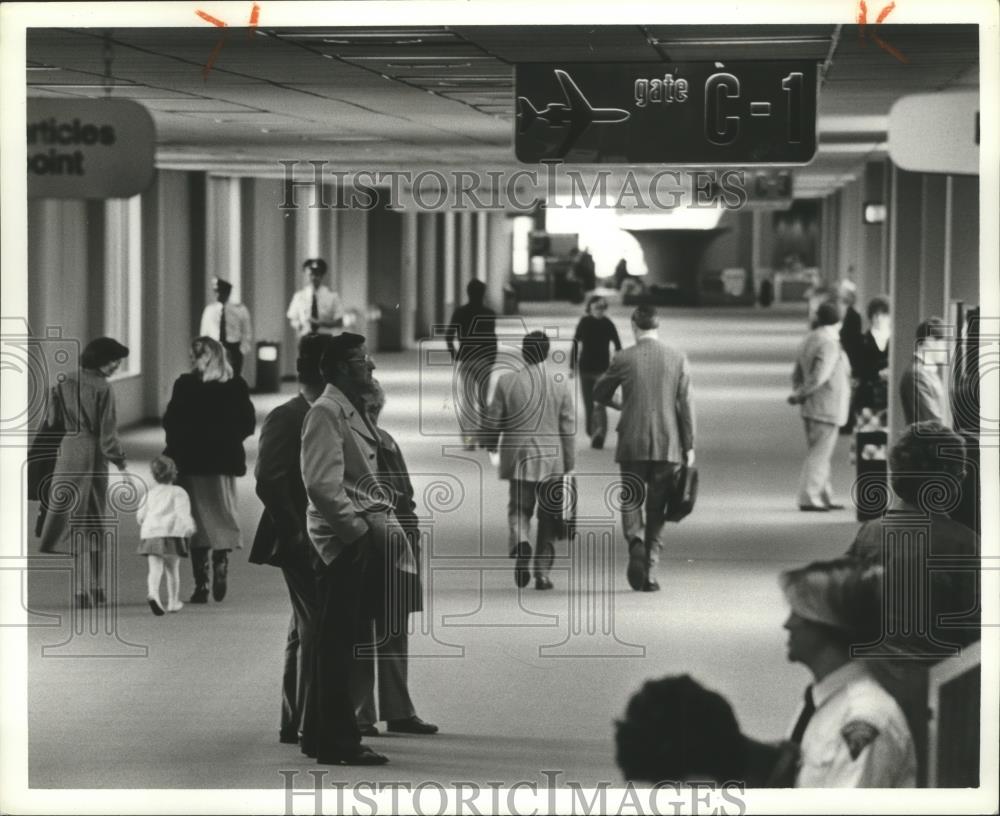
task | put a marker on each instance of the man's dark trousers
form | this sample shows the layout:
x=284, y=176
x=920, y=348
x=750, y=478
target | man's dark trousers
x=333, y=732
x=300, y=648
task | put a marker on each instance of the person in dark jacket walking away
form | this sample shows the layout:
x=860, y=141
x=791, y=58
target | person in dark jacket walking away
x=594, y=334
x=207, y=419
x=474, y=325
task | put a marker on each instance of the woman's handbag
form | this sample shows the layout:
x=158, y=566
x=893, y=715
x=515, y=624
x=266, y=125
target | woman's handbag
x=559, y=494
x=42, y=456
x=681, y=501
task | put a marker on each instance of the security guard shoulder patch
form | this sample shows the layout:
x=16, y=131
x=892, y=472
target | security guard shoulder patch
x=858, y=734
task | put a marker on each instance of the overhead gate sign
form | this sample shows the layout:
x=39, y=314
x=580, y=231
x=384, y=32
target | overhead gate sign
x=700, y=113
x=89, y=148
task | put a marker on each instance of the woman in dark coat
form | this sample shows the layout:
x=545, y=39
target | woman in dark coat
x=209, y=416
x=871, y=367
x=83, y=406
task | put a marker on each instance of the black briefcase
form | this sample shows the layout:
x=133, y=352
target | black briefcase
x=685, y=493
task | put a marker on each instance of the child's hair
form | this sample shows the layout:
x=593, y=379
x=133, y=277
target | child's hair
x=164, y=469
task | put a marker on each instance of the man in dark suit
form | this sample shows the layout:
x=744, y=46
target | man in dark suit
x=348, y=515
x=655, y=437
x=474, y=326
x=282, y=540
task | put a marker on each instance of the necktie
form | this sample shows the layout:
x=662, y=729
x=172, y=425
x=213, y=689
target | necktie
x=222, y=323
x=314, y=312
x=807, y=711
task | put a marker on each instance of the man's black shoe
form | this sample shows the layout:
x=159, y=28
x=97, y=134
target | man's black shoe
x=411, y=725
x=368, y=730
x=636, y=572
x=522, y=573
x=651, y=586
x=543, y=583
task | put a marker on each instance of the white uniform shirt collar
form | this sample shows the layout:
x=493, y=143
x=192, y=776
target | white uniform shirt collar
x=835, y=681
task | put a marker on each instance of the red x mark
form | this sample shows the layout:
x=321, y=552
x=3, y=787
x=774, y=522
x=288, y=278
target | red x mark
x=254, y=16
x=863, y=21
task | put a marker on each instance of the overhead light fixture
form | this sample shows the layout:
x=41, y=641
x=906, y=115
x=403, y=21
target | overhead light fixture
x=400, y=61
x=60, y=85
x=724, y=41
x=367, y=34
x=42, y=68
x=464, y=63
x=417, y=41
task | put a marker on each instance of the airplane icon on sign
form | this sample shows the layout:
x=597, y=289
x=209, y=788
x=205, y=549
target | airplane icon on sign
x=575, y=114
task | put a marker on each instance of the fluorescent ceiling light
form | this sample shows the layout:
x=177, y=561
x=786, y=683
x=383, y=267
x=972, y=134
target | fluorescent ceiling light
x=400, y=61
x=680, y=218
x=59, y=86
x=851, y=148
x=852, y=124
x=445, y=65
x=43, y=68
x=368, y=34
x=770, y=41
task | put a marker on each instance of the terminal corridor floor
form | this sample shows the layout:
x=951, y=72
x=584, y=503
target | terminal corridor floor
x=519, y=681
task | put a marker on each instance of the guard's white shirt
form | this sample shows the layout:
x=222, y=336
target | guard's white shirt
x=858, y=736
x=237, y=324
x=328, y=308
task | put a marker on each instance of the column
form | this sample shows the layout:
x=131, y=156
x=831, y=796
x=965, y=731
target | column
x=498, y=258
x=166, y=248
x=223, y=244
x=427, y=293
x=466, y=259
x=269, y=289
x=905, y=223
x=932, y=246
x=482, y=226
x=408, y=284
x=873, y=269
x=449, y=263
x=352, y=263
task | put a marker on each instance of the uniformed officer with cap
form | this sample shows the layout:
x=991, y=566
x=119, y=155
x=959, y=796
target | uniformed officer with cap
x=229, y=323
x=315, y=307
x=851, y=731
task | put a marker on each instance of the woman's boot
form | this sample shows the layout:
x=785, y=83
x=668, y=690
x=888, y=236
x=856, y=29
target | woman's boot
x=220, y=568
x=199, y=563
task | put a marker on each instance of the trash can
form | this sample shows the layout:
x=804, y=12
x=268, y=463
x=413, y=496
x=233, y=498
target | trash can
x=509, y=300
x=390, y=328
x=872, y=484
x=268, y=367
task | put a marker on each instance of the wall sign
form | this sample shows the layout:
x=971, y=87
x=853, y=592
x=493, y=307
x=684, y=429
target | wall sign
x=936, y=133
x=734, y=113
x=89, y=148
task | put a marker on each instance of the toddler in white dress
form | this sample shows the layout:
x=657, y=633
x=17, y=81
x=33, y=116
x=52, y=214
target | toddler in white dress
x=165, y=525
